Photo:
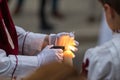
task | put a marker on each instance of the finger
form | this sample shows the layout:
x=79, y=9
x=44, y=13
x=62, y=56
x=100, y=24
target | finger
x=76, y=43
x=71, y=34
x=73, y=48
x=60, y=51
x=59, y=57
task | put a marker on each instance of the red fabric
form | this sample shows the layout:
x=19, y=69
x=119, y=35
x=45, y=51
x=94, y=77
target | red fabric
x=85, y=66
x=4, y=43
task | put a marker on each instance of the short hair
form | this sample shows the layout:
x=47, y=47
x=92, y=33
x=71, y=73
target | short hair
x=55, y=71
x=115, y=4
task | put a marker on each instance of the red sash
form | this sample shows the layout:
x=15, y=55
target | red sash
x=8, y=35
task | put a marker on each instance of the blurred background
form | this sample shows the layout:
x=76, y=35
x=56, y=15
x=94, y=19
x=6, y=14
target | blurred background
x=80, y=16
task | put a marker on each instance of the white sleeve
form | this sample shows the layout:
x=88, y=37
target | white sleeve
x=29, y=43
x=99, y=66
x=25, y=65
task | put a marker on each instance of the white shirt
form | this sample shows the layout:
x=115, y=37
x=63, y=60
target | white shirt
x=104, y=60
x=30, y=44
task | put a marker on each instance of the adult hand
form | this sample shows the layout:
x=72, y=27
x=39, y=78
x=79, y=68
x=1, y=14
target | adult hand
x=54, y=37
x=49, y=54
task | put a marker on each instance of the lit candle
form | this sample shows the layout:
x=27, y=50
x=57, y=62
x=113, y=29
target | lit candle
x=68, y=43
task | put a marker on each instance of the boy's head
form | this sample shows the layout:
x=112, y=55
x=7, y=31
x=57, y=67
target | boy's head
x=112, y=11
x=54, y=71
x=115, y=4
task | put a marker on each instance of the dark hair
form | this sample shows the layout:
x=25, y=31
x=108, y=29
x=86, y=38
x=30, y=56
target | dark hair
x=115, y=4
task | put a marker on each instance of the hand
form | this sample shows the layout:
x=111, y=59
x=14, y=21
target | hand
x=71, y=36
x=65, y=39
x=54, y=37
x=49, y=55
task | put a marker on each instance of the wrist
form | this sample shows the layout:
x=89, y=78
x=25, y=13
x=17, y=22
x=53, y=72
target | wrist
x=52, y=39
x=46, y=42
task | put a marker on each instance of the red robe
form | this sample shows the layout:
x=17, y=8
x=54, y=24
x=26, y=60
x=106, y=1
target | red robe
x=8, y=35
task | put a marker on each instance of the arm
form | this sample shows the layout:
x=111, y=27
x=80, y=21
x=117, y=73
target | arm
x=20, y=66
x=98, y=64
x=31, y=43
x=24, y=65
